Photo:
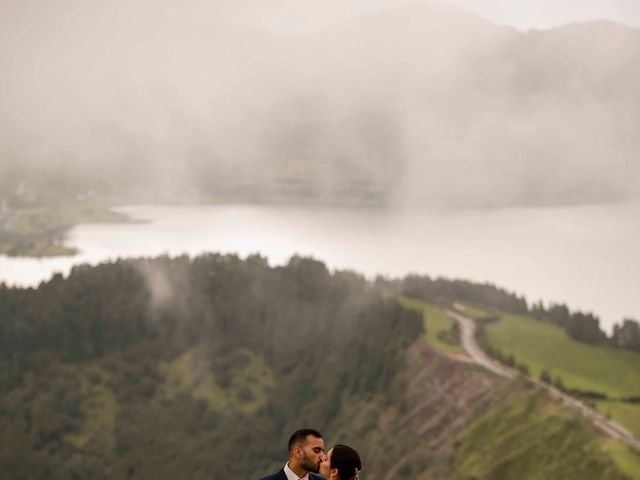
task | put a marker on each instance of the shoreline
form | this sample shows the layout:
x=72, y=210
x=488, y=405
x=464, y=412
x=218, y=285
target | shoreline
x=40, y=232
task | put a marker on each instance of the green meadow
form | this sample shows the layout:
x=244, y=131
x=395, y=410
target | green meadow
x=614, y=372
x=627, y=414
x=626, y=458
x=470, y=311
x=512, y=442
x=439, y=327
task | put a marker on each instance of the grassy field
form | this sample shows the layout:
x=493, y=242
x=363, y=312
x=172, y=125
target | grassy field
x=614, y=372
x=437, y=324
x=626, y=458
x=528, y=436
x=470, y=311
x=627, y=414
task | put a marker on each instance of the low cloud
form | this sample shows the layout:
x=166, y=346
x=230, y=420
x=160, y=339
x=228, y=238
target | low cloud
x=419, y=105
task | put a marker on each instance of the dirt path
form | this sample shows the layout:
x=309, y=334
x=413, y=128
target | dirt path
x=467, y=334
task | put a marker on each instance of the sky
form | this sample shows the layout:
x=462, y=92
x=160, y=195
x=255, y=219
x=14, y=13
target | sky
x=541, y=14
x=302, y=16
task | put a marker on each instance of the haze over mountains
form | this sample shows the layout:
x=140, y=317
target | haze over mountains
x=421, y=104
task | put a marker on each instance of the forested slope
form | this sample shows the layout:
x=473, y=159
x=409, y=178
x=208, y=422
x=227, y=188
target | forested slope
x=201, y=368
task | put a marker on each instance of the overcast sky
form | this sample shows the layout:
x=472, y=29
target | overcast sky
x=407, y=99
x=526, y=14
x=300, y=16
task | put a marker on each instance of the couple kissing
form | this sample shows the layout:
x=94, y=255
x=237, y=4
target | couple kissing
x=307, y=458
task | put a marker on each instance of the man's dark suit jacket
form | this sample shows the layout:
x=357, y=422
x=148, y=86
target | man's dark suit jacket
x=281, y=476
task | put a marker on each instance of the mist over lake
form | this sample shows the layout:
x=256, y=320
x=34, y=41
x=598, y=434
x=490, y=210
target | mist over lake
x=587, y=257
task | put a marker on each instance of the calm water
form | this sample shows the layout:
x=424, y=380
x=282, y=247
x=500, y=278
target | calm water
x=587, y=257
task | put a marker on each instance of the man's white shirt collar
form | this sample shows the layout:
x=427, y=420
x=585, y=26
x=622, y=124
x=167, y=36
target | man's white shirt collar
x=292, y=476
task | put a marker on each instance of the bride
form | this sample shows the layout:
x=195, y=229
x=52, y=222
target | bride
x=341, y=463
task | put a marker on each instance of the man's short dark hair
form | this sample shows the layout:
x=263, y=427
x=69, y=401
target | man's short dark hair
x=299, y=436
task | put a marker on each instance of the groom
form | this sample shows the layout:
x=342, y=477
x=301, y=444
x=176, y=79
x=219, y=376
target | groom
x=306, y=451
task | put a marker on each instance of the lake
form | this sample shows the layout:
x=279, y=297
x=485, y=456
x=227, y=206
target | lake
x=587, y=257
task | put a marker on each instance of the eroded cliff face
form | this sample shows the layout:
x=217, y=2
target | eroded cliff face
x=444, y=397
x=411, y=429
x=445, y=394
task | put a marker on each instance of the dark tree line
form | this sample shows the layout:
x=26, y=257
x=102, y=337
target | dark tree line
x=585, y=327
x=443, y=290
x=627, y=334
x=581, y=326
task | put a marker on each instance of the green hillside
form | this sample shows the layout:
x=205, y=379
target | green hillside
x=201, y=368
x=513, y=442
x=614, y=372
x=627, y=414
x=441, y=332
x=194, y=368
x=626, y=458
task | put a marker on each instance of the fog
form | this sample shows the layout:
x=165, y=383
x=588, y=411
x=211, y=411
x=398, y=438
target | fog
x=304, y=16
x=406, y=104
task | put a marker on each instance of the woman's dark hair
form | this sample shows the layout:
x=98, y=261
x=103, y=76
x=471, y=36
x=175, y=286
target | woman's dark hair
x=347, y=461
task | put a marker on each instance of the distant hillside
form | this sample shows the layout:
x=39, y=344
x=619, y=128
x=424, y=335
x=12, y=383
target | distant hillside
x=200, y=368
x=418, y=104
x=486, y=114
x=562, y=347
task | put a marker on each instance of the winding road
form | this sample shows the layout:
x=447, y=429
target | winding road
x=606, y=426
